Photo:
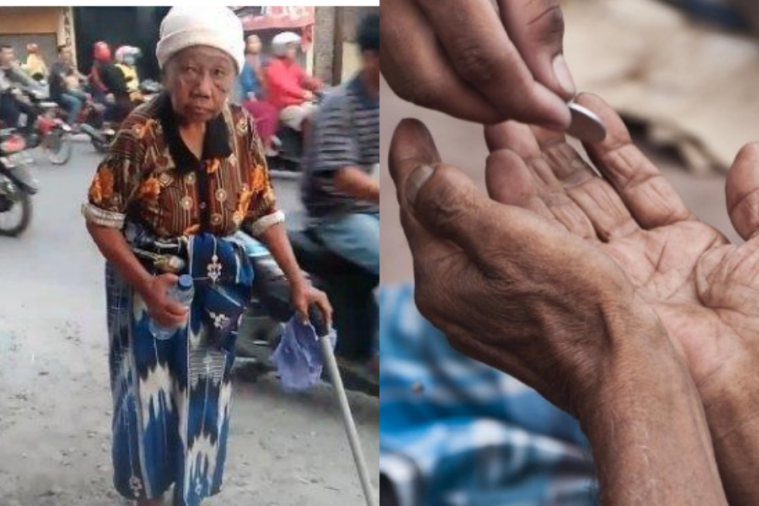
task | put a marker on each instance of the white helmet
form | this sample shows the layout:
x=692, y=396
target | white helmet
x=280, y=42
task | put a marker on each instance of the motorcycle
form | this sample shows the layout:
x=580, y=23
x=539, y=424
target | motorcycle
x=16, y=184
x=289, y=144
x=349, y=288
x=52, y=134
x=93, y=125
x=102, y=133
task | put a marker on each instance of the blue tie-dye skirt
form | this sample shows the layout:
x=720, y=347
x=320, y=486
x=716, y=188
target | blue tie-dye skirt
x=172, y=398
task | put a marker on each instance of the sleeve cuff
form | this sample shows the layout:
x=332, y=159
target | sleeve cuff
x=261, y=225
x=103, y=218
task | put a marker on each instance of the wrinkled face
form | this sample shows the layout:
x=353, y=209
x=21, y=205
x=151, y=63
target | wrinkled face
x=199, y=80
x=372, y=66
x=254, y=44
x=6, y=56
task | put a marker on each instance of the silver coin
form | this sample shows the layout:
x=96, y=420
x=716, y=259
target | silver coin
x=586, y=125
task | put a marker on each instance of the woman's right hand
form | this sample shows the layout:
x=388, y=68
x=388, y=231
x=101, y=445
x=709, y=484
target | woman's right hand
x=161, y=307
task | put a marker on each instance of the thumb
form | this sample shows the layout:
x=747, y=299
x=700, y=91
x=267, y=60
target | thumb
x=537, y=29
x=742, y=191
x=446, y=202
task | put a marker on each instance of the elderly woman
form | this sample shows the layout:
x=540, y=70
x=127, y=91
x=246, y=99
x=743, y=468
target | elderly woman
x=184, y=174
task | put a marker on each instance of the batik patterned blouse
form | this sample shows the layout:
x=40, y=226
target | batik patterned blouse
x=150, y=176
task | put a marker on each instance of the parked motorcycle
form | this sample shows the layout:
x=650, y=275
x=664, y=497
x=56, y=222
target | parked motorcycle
x=349, y=288
x=16, y=185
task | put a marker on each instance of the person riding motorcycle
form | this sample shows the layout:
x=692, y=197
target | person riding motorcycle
x=108, y=84
x=14, y=86
x=289, y=88
x=65, y=88
x=126, y=60
x=339, y=188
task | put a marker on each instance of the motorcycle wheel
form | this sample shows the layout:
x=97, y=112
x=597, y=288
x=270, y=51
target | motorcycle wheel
x=23, y=203
x=57, y=147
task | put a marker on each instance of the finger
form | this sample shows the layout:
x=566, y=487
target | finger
x=301, y=311
x=537, y=29
x=645, y=192
x=447, y=203
x=326, y=310
x=482, y=53
x=418, y=70
x=412, y=148
x=510, y=181
x=168, y=279
x=514, y=136
x=549, y=189
x=175, y=309
x=742, y=191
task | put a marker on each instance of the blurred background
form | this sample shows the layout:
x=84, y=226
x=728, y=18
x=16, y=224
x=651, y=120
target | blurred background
x=329, y=47
x=683, y=74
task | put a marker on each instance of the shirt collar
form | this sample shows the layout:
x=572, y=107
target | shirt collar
x=359, y=88
x=216, y=143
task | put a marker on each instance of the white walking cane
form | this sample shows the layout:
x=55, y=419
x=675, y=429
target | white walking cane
x=350, y=424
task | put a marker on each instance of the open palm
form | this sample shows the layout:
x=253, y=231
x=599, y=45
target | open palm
x=704, y=289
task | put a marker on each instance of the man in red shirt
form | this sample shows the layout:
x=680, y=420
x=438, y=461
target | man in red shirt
x=289, y=88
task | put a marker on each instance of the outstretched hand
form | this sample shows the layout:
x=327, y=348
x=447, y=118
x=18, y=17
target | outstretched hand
x=704, y=289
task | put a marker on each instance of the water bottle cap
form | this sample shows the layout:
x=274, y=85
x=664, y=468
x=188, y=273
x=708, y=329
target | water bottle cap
x=185, y=282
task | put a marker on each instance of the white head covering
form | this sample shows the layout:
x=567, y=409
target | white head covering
x=214, y=26
x=280, y=42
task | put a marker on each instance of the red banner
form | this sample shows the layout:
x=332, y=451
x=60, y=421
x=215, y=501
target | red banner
x=278, y=17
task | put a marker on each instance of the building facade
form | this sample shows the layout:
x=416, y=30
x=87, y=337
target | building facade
x=47, y=27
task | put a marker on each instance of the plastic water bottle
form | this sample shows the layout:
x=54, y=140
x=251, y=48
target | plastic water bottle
x=183, y=293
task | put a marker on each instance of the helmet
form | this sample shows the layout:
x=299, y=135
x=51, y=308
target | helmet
x=102, y=52
x=128, y=54
x=281, y=41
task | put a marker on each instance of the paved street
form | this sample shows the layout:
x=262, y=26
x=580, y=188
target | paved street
x=55, y=402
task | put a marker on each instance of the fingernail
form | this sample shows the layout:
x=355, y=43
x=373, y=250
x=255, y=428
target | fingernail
x=563, y=76
x=416, y=180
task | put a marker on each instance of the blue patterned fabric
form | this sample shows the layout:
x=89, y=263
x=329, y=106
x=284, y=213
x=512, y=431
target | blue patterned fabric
x=172, y=398
x=454, y=431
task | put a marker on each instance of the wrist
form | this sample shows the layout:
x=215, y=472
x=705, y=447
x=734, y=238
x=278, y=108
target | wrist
x=298, y=281
x=142, y=285
x=639, y=358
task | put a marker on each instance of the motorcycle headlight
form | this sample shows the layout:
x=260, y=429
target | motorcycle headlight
x=13, y=144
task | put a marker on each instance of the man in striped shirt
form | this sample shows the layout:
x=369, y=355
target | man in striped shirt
x=339, y=190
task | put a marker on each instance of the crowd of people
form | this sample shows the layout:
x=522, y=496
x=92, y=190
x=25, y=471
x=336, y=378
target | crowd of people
x=273, y=88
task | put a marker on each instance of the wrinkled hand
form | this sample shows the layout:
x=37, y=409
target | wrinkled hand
x=303, y=295
x=704, y=289
x=161, y=307
x=461, y=58
x=511, y=289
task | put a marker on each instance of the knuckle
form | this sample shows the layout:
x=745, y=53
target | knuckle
x=476, y=62
x=420, y=90
x=449, y=205
x=549, y=22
